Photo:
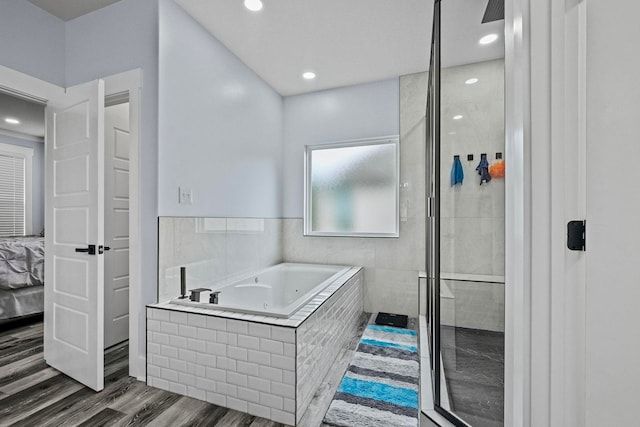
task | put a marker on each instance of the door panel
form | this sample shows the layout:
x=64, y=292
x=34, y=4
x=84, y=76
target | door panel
x=117, y=224
x=74, y=217
x=613, y=202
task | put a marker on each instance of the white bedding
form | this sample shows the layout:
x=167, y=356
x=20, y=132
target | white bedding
x=21, y=262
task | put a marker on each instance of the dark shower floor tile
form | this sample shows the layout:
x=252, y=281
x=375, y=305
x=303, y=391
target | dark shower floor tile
x=474, y=367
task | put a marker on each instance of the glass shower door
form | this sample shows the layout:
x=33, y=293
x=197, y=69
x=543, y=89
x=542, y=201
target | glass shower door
x=465, y=265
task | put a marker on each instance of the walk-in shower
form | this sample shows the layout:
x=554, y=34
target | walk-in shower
x=466, y=173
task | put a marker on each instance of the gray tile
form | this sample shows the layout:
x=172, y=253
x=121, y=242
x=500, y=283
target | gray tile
x=473, y=362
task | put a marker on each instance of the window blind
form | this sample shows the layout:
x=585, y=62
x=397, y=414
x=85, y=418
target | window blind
x=12, y=195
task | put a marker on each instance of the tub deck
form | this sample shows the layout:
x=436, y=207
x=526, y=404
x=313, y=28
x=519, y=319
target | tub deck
x=293, y=321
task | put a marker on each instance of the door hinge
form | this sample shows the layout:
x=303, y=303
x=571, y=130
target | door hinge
x=576, y=231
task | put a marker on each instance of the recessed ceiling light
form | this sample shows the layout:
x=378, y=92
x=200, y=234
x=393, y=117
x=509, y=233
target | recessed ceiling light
x=489, y=38
x=309, y=75
x=253, y=5
x=458, y=117
x=12, y=121
x=471, y=81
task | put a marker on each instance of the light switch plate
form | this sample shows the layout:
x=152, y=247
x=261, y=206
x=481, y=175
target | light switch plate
x=185, y=197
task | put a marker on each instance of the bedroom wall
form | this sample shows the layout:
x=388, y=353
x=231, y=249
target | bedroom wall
x=220, y=126
x=117, y=38
x=32, y=41
x=37, y=179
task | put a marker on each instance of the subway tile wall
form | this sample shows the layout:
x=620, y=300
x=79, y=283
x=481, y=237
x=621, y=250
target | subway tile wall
x=247, y=366
x=323, y=335
x=242, y=365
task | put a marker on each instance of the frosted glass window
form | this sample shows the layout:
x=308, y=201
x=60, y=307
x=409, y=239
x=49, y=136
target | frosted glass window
x=351, y=189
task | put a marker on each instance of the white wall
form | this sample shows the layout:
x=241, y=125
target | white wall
x=32, y=41
x=37, y=180
x=220, y=126
x=388, y=107
x=351, y=112
x=117, y=38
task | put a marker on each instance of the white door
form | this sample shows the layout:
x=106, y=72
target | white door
x=116, y=226
x=612, y=302
x=74, y=218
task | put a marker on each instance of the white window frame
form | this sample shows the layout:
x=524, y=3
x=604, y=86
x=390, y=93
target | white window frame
x=309, y=149
x=27, y=154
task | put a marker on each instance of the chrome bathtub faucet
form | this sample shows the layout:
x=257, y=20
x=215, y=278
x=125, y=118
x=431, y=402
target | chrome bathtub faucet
x=195, y=293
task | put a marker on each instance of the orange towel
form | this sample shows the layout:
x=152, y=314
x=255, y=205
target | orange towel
x=496, y=170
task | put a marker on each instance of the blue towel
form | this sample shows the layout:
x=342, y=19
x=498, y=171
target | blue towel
x=483, y=169
x=457, y=175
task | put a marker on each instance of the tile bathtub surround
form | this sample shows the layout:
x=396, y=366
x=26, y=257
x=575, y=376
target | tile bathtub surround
x=243, y=364
x=214, y=249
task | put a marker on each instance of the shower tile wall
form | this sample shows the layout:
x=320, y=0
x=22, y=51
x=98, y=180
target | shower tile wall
x=214, y=249
x=472, y=215
x=391, y=264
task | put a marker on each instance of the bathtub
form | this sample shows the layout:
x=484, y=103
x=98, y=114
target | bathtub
x=262, y=364
x=277, y=291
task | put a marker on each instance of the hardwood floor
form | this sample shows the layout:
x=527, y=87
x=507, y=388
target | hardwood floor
x=33, y=394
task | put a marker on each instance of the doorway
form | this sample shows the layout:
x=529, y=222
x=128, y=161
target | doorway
x=116, y=224
x=123, y=93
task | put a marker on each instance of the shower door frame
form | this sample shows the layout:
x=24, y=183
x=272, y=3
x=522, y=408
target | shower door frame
x=433, y=183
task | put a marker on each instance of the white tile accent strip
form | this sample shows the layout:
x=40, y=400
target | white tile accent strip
x=249, y=363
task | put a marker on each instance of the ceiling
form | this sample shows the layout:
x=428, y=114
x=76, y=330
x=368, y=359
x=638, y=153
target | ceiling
x=460, y=29
x=70, y=9
x=343, y=42
x=30, y=115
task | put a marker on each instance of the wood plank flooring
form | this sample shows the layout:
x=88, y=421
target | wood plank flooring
x=34, y=394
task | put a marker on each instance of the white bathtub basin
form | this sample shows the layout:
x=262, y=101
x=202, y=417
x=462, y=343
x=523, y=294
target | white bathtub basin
x=277, y=291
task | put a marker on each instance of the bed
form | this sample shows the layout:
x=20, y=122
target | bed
x=21, y=276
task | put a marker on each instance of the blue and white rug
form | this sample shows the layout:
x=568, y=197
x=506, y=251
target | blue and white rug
x=380, y=387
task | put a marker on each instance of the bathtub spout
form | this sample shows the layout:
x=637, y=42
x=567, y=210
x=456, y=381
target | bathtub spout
x=213, y=297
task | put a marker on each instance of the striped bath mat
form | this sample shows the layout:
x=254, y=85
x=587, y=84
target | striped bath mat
x=380, y=387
